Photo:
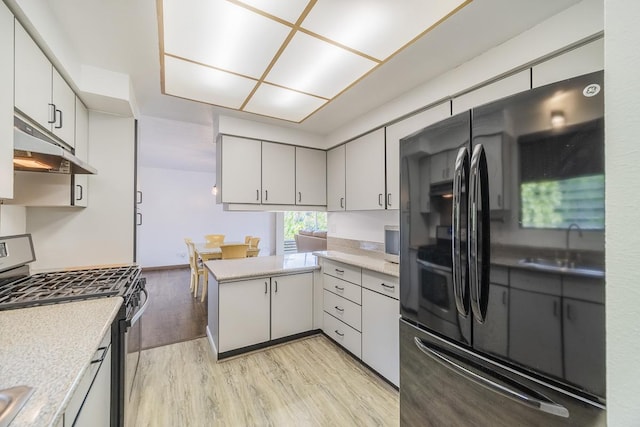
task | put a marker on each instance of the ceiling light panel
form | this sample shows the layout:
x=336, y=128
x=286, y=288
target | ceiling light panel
x=313, y=66
x=377, y=28
x=289, y=10
x=221, y=34
x=283, y=103
x=198, y=82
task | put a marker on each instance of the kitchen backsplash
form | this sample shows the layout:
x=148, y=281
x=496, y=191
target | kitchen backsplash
x=356, y=247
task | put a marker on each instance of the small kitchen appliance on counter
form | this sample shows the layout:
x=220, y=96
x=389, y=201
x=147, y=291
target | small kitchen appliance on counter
x=19, y=289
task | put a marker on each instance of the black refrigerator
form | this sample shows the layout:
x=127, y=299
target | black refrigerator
x=502, y=263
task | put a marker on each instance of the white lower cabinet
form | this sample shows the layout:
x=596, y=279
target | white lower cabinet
x=380, y=334
x=363, y=316
x=90, y=405
x=259, y=310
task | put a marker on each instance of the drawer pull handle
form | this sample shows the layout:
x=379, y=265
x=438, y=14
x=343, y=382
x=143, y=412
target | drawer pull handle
x=339, y=288
x=341, y=310
x=336, y=331
x=339, y=271
x=387, y=286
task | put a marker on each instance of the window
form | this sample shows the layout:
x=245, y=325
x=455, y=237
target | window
x=295, y=221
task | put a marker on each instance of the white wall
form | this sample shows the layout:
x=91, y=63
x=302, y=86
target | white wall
x=176, y=174
x=622, y=157
x=361, y=225
x=250, y=129
x=102, y=233
x=13, y=220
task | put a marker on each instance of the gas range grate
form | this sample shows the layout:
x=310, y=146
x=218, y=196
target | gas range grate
x=60, y=286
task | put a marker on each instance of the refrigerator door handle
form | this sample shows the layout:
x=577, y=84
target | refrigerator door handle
x=460, y=183
x=523, y=396
x=479, y=229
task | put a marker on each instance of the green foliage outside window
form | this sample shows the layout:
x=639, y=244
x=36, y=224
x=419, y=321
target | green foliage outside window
x=295, y=221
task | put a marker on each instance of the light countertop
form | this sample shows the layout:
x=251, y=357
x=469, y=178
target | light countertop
x=245, y=268
x=370, y=263
x=49, y=348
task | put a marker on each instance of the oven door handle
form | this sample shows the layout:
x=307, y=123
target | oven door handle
x=140, y=312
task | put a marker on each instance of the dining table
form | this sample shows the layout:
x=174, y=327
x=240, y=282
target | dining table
x=208, y=253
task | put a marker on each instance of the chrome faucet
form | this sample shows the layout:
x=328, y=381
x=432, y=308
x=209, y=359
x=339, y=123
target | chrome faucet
x=568, y=253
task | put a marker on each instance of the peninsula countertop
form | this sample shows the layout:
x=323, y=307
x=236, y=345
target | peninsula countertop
x=261, y=266
x=362, y=261
x=49, y=348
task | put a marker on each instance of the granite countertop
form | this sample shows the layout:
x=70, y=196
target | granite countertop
x=49, y=348
x=370, y=263
x=245, y=268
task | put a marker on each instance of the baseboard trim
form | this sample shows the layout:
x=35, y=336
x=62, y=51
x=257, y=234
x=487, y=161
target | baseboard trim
x=270, y=343
x=164, y=267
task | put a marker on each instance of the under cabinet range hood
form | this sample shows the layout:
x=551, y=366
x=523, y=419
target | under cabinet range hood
x=36, y=152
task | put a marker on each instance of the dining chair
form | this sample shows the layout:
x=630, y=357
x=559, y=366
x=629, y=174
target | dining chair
x=213, y=240
x=247, y=239
x=197, y=270
x=234, y=251
x=253, y=242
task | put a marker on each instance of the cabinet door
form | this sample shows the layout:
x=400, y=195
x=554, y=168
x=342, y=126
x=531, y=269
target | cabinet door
x=440, y=168
x=393, y=135
x=81, y=182
x=291, y=305
x=6, y=102
x=502, y=88
x=278, y=174
x=96, y=408
x=365, y=175
x=582, y=60
x=492, y=336
x=64, y=101
x=243, y=313
x=584, y=344
x=380, y=334
x=311, y=176
x=32, y=79
x=241, y=170
x=336, y=179
x=535, y=332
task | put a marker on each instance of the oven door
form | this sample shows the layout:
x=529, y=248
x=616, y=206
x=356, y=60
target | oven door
x=437, y=302
x=132, y=348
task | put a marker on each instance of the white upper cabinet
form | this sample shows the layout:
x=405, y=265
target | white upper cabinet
x=311, y=177
x=64, y=101
x=32, y=79
x=508, y=86
x=241, y=170
x=336, y=179
x=365, y=173
x=6, y=103
x=394, y=134
x=81, y=182
x=582, y=60
x=40, y=92
x=278, y=174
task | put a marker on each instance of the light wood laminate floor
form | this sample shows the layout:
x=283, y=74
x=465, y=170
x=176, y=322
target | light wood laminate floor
x=309, y=382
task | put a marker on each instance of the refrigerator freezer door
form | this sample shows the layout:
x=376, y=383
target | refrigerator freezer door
x=459, y=388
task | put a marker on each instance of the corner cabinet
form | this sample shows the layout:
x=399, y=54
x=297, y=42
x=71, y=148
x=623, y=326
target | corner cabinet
x=40, y=91
x=311, y=176
x=259, y=310
x=365, y=172
x=6, y=103
x=336, y=179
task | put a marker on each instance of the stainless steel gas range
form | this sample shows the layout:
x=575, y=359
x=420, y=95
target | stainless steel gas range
x=19, y=289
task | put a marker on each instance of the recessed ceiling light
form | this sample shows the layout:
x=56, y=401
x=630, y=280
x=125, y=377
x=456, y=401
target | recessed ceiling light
x=302, y=53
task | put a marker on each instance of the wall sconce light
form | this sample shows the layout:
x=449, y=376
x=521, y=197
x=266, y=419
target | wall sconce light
x=557, y=119
x=214, y=190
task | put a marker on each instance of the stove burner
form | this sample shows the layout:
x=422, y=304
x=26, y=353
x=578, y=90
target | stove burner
x=60, y=286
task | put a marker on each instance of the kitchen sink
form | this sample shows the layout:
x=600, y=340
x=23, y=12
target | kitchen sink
x=562, y=266
x=11, y=401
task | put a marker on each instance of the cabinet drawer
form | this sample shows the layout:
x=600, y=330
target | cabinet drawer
x=343, y=309
x=343, y=288
x=381, y=283
x=343, y=271
x=344, y=335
